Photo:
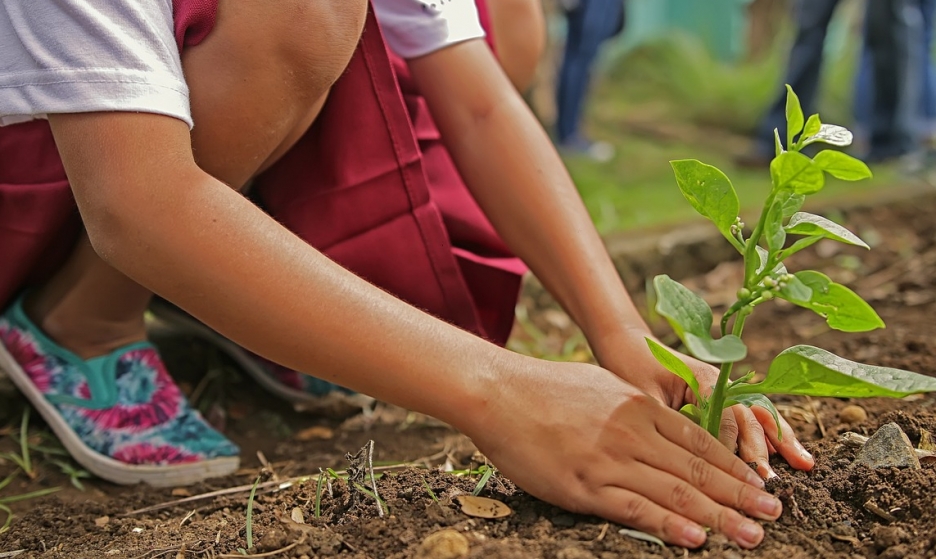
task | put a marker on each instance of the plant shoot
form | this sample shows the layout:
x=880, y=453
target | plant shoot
x=781, y=231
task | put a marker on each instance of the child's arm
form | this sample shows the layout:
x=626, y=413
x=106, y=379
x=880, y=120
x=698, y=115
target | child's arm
x=573, y=434
x=519, y=180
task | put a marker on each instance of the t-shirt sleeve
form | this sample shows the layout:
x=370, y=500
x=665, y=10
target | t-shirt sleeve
x=68, y=56
x=414, y=28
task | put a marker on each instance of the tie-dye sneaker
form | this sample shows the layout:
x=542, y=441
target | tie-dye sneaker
x=306, y=393
x=119, y=415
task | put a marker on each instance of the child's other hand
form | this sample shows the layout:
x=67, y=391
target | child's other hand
x=752, y=432
x=580, y=437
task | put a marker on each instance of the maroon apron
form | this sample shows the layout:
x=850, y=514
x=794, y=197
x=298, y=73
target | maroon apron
x=370, y=185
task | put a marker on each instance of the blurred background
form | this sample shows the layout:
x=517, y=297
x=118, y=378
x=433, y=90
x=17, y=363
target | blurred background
x=696, y=79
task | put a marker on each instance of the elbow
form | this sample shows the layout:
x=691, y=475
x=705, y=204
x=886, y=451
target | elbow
x=110, y=228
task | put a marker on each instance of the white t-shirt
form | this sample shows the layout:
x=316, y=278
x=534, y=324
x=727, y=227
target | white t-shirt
x=68, y=56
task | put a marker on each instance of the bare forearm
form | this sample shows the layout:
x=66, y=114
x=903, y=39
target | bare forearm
x=528, y=194
x=203, y=246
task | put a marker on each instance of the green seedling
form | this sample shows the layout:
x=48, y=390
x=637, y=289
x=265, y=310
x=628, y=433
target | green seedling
x=800, y=370
x=485, y=477
x=429, y=490
x=318, y=493
x=75, y=475
x=250, y=504
x=22, y=459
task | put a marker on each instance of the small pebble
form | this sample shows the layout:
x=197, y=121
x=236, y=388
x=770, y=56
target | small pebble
x=574, y=553
x=446, y=544
x=853, y=414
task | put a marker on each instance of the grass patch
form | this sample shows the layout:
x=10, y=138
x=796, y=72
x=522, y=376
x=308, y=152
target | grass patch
x=669, y=99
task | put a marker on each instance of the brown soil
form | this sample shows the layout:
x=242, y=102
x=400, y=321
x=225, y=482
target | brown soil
x=834, y=511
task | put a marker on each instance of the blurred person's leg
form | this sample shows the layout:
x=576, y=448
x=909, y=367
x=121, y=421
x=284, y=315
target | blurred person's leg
x=803, y=71
x=894, y=31
x=928, y=12
x=591, y=23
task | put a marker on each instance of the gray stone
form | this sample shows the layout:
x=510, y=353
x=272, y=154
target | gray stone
x=888, y=448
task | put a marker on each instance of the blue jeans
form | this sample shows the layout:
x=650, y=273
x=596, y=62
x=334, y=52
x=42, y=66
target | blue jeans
x=591, y=23
x=803, y=69
x=906, y=113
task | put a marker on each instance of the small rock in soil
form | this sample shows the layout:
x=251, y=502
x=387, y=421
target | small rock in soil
x=273, y=540
x=852, y=415
x=446, y=544
x=888, y=448
x=574, y=553
x=888, y=536
x=896, y=552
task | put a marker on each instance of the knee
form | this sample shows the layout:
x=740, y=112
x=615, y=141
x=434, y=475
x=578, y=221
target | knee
x=309, y=42
x=318, y=38
x=260, y=77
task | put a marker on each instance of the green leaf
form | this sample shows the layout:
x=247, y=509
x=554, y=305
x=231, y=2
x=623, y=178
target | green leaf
x=796, y=291
x=709, y=192
x=726, y=349
x=751, y=400
x=813, y=126
x=842, y=308
x=842, y=166
x=684, y=310
x=808, y=224
x=794, y=116
x=774, y=232
x=693, y=412
x=763, y=257
x=691, y=319
x=831, y=134
x=674, y=365
x=791, y=202
x=809, y=371
x=794, y=171
x=798, y=246
x=778, y=143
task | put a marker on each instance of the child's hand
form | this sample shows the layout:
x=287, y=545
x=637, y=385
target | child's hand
x=752, y=432
x=579, y=437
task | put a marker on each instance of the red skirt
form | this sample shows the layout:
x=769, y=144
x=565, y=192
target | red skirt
x=370, y=185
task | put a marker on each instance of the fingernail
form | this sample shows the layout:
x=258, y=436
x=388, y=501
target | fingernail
x=750, y=534
x=769, y=506
x=803, y=452
x=753, y=478
x=693, y=536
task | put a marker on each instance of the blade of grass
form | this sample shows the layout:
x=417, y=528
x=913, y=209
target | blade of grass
x=318, y=493
x=429, y=490
x=7, y=480
x=250, y=504
x=373, y=496
x=27, y=496
x=9, y=518
x=488, y=472
x=24, y=444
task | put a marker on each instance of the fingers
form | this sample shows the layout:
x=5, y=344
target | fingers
x=753, y=441
x=712, y=487
x=789, y=447
x=634, y=510
x=699, y=503
x=728, y=435
x=698, y=442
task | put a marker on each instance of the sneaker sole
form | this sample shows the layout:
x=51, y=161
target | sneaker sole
x=177, y=322
x=103, y=466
